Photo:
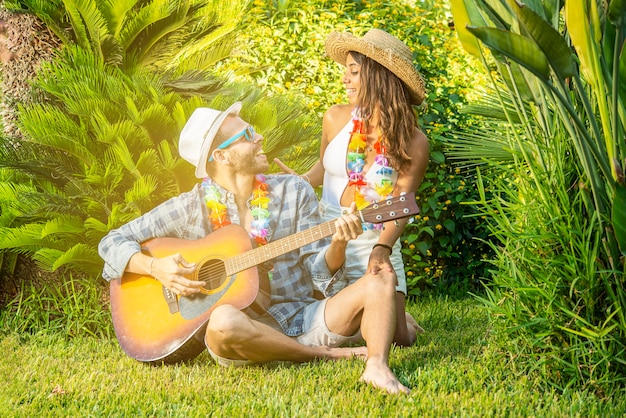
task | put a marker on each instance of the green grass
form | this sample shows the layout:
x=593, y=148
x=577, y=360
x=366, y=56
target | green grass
x=454, y=370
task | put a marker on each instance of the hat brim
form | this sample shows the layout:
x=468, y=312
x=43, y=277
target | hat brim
x=234, y=109
x=339, y=45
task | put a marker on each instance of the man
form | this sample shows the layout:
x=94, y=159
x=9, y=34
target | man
x=228, y=156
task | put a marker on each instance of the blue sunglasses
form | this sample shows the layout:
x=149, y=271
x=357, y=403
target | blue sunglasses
x=248, y=133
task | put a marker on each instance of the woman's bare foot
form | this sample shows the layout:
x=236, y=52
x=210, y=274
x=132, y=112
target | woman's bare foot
x=411, y=323
x=379, y=375
x=406, y=333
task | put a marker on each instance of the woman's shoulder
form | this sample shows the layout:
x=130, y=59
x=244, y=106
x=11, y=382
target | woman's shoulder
x=418, y=147
x=419, y=138
x=338, y=113
x=335, y=118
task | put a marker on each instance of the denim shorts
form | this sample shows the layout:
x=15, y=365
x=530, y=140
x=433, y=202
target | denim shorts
x=316, y=331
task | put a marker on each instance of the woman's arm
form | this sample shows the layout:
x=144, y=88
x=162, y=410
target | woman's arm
x=408, y=181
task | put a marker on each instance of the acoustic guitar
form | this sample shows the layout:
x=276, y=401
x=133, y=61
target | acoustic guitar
x=153, y=325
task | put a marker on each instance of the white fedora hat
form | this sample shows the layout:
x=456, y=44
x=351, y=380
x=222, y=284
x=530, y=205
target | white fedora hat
x=198, y=135
x=385, y=49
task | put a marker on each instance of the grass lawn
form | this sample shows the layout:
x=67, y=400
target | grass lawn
x=453, y=370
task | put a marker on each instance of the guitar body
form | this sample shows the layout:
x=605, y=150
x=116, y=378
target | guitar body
x=144, y=326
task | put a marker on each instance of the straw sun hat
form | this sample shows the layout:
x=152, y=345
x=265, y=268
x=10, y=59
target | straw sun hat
x=385, y=49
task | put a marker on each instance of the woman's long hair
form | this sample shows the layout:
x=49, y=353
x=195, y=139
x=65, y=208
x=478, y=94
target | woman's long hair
x=383, y=94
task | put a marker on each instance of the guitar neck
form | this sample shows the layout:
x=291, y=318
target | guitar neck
x=279, y=247
x=379, y=212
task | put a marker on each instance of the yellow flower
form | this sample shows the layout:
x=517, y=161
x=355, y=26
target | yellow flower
x=260, y=201
x=438, y=227
x=426, y=218
x=383, y=189
x=357, y=141
x=360, y=201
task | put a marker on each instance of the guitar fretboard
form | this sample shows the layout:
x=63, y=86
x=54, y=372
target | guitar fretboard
x=389, y=209
x=279, y=247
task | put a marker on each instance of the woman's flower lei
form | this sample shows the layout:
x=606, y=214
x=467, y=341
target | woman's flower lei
x=365, y=193
x=218, y=212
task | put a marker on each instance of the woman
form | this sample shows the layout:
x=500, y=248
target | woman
x=371, y=149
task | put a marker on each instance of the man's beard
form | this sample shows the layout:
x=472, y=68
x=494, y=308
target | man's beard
x=248, y=164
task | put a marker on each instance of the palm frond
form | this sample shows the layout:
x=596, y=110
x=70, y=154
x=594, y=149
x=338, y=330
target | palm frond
x=63, y=225
x=88, y=23
x=80, y=257
x=50, y=127
x=130, y=36
x=482, y=144
x=115, y=13
x=140, y=197
x=24, y=239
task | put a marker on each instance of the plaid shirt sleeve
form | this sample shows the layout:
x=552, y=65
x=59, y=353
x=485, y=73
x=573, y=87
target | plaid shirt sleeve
x=180, y=217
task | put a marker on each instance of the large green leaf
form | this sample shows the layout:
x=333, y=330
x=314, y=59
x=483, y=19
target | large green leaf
x=548, y=39
x=498, y=14
x=516, y=47
x=617, y=12
x=585, y=30
x=516, y=80
x=619, y=216
x=582, y=26
x=461, y=11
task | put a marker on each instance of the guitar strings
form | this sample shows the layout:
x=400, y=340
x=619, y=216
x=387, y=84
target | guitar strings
x=211, y=273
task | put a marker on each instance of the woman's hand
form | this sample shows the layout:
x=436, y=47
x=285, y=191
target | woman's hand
x=286, y=169
x=315, y=175
x=348, y=226
x=379, y=260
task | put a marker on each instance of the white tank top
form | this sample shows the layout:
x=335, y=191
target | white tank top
x=336, y=174
x=334, y=162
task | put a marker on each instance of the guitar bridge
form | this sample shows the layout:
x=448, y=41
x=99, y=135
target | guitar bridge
x=171, y=299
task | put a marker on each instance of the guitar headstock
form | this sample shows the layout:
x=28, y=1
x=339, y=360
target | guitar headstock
x=389, y=209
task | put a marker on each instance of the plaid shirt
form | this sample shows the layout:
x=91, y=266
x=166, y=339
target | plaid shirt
x=293, y=208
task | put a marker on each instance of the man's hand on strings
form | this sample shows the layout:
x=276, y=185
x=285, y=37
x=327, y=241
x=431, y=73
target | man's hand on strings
x=171, y=272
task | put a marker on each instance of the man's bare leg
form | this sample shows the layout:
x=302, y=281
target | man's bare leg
x=369, y=303
x=233, y=335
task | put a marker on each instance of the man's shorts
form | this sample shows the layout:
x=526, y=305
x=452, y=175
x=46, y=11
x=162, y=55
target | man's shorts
x=316, y=333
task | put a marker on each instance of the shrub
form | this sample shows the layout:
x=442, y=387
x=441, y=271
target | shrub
x=554, y=144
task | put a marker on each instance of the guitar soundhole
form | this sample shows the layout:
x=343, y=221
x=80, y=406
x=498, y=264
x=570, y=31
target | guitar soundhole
x=213, y=273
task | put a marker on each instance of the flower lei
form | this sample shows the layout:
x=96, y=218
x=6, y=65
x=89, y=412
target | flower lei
x=218, y=212
x=364, y=193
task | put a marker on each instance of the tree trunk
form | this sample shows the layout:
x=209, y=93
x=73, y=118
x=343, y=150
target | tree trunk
x=24, y=43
